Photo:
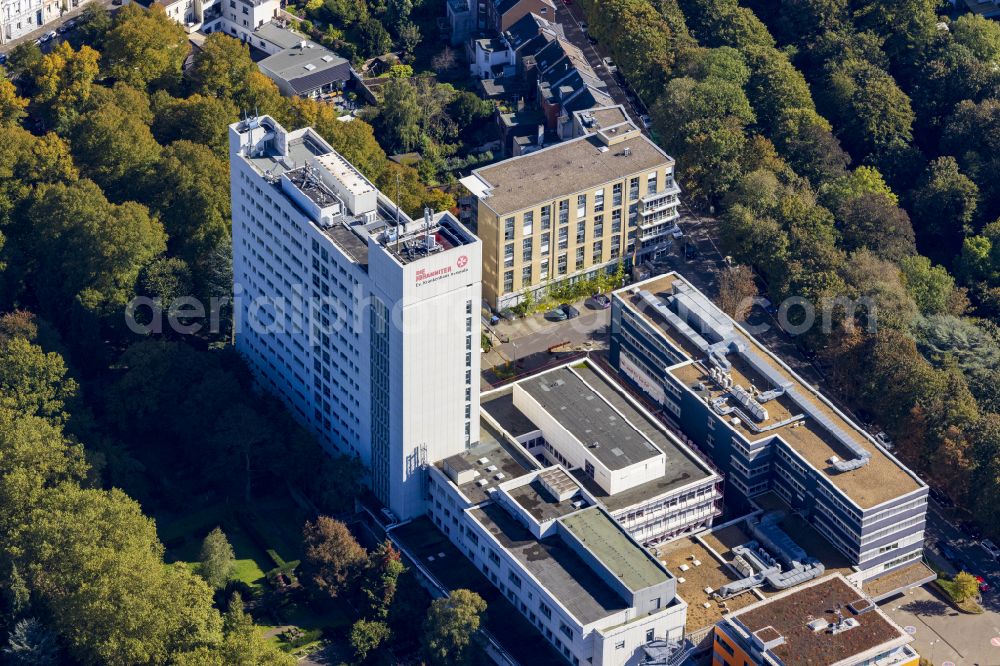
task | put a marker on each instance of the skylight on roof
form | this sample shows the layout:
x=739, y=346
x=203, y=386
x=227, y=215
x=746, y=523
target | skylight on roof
x=309, y=66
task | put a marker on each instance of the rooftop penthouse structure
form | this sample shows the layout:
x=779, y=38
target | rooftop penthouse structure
x=764, y=426
x=357, y=316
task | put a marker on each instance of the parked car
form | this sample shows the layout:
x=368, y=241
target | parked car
x=583, y=26
x=983, y=585
x=599, y=302
x=940, y=497
x=610, y=64
x=690, y=251
x=948, y=553
x=3, y=58
x=884, y=440
x=647, y=122
x=49, y=36
x=591, y=39
x=556, y=314
x=990, y=548
x=507, y=314
x=570, y=311
x=971, y=529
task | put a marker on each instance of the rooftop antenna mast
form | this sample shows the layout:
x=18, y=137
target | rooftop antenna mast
x=246, y=119
x=397, y=213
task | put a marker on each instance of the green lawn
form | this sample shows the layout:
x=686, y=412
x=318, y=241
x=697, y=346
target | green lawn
x=279, y=524
x=249, y=572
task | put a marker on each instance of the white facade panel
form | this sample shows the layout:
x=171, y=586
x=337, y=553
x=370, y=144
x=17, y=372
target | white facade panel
x=379, y=359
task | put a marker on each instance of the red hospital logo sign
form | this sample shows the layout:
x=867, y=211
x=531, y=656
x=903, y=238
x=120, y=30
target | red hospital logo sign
x=425, y=276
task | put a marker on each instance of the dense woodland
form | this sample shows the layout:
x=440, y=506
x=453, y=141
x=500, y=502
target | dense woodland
x=850, y=147
x=115, y=184
x=847, y=147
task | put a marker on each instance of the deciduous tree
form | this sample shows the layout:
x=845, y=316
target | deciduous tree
x=944, y=206
x=11, y=105
x=874, y=222
x=450, y=626
x=333, y=556
x=930, y=286
x=114, y=146
x=96, y=563
x=223, y=69
x=34, y=382
x=191, y=195
x=198, y=118
x=145, y=47
x=378, y=582
x=737, y=289
x=401, y=115
x=62, y=82
x=367, y=636
x=95, y=22
x=87, y=243
x=965, y=586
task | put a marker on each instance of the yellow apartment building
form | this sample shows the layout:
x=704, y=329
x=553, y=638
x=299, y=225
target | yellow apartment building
x=568, y=211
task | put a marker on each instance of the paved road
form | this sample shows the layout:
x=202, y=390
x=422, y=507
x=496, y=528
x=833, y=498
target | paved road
x=943, y=529
x=571, y=17
x=51, y=25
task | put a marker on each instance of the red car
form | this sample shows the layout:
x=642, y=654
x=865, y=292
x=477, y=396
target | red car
x=983, y=585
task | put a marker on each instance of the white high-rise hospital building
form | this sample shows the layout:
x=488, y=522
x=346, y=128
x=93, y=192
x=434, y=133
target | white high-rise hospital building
x=364, y=321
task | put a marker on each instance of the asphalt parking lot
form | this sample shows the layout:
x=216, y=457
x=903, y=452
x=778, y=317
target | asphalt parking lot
x=531, y=338
x=941, y=634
